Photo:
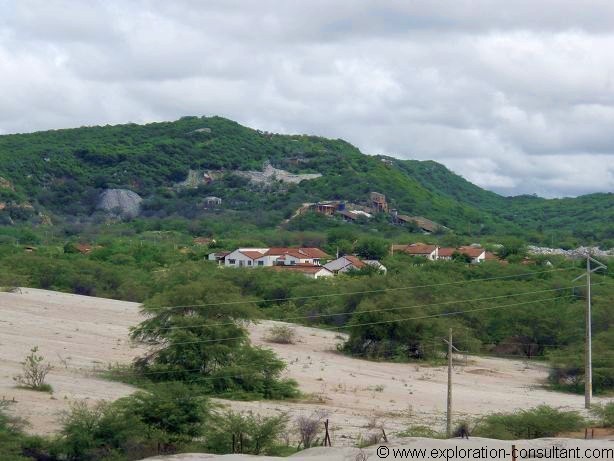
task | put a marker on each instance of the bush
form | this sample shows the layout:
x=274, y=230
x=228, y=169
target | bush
x=309, y=427
x=543, y=421
x=251, y=434
x=144, y=424
x=282, y=334
x=34, y=372
x=605, y=413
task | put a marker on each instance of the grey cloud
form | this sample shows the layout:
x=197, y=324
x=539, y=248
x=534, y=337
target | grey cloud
x=514, y=98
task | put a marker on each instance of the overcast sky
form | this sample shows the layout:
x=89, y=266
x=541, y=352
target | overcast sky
x=517, y=96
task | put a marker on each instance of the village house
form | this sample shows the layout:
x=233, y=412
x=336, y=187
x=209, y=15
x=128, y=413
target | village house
x=218, y=257
x=445, y=254
x=292, y=256
x=348, y=263
x=476, y=254
x=435, y=253
x=244, y=257
x=418, y=249
x=267, y=257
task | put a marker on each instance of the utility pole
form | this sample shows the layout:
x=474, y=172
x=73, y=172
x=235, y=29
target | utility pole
x=588, y=350
x=588, y=337
x=449, y=409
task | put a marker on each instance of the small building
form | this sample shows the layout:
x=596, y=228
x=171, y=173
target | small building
x=424, y=250
x=353, y=215
x=345, y=264
x=445, y=253
x=218, y=256
x=378, y=202
x=325, y=208
x=477, y=255
x=377, y=265
x=244, y=257
x=212, y=202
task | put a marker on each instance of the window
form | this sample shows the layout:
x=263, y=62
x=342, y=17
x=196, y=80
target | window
x=231, y=262
x=249, y=263
x=261, y=263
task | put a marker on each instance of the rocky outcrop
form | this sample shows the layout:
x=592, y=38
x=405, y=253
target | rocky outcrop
x=271, y=174
x=121, y=202
x=574, y=253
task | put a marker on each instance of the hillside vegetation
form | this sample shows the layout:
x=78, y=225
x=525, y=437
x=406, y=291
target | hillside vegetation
x=60, y=175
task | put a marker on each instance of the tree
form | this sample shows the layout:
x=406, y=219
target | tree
x=372, y=248
x=203, y=340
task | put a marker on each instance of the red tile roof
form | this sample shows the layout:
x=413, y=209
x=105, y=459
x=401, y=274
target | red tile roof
x=420, y=249
x=356, y=262
x=446, y=252
x=472, y=252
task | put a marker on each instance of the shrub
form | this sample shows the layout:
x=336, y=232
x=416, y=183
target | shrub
x=605, y=413
x=251, y=434
x=282, y=334
x=144, y=424
x=309, y=427
x=34, y=372
x=543, y=421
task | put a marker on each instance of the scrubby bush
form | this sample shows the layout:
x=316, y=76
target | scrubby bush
x=282, y=334
x=542, y=421
x=605, y=413
x=34, y=372
x=147, y=423
x=309, y=428
x=250, y=433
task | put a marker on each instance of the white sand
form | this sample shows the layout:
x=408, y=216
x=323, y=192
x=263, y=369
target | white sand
x=498, y=449
x=79, y=334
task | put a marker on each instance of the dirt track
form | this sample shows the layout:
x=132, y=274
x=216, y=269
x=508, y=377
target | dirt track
x=80, y=334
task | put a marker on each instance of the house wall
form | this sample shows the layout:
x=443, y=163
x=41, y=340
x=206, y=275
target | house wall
x=238, y=259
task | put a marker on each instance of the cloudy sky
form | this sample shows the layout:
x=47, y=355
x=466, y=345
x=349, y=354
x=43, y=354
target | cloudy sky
x=517, y=97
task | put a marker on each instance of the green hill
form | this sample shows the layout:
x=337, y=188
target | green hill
x=62, y=173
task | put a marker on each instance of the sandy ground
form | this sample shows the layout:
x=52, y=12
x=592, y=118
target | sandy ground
x=454, y=449
x=77, y=334
x=80, y=335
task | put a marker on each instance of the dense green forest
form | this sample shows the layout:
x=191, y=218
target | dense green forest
x=58, y=176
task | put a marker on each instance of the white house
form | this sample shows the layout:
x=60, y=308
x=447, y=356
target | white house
x=344, y=264
x=292, y=256
x=378, y=265
x=244, y=257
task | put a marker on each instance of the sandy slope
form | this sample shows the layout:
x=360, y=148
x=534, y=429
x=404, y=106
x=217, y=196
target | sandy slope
x=77, y=334
x=80, y=334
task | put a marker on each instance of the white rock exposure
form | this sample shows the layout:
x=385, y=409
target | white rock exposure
x=122, y=202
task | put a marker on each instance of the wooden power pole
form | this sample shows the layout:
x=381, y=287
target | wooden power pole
x=449, y=408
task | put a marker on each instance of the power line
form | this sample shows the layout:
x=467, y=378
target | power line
x=337, y=314
x=349, y=293
x=445, y=314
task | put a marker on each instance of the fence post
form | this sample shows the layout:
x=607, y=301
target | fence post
x=234, y=444
x=513, y=452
